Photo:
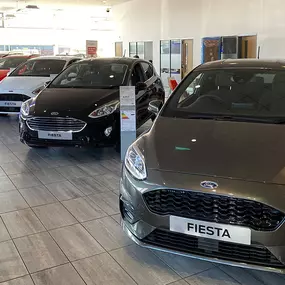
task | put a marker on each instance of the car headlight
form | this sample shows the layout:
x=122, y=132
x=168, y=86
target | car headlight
x=135, y=163
x=25, y=108
x=105, y=110
x=38, y=90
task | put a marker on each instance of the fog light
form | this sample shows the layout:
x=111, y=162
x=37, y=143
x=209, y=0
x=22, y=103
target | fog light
x=127, y=211
x=108, y=131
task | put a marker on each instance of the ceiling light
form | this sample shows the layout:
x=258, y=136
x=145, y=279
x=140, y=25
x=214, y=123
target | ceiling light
x=32, y=7
x=10, y=16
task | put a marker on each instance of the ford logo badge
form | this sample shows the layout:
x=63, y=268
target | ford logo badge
x=209, y=184
x=54, y=113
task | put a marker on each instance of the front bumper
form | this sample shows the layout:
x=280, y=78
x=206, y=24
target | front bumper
x=266, y=252
x=11, y=103
x=92, y=134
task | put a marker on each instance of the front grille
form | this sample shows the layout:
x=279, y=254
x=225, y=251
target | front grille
x=14, y=97
x=55, y=124
x=254, y=254
x=214, y=208
x=10, y=109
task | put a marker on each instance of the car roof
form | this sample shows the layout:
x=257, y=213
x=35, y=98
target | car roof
x=65, y=57
x=244, y=64
x=18, y=55
x=122, y=60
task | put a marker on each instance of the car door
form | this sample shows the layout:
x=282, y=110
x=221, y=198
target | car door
x=151, y=92
x=137, y=76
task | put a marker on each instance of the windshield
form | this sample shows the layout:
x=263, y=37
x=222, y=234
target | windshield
x=40, y=67
x=91, y=74
x=11, y=62
x=230, y=94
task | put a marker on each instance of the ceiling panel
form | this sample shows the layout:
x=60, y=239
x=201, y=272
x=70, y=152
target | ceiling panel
x=7, y=5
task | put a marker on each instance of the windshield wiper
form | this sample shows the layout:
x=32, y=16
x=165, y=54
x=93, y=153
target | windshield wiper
x=234, y=118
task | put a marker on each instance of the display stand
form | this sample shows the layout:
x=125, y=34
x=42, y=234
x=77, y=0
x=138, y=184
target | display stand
x=128, y=117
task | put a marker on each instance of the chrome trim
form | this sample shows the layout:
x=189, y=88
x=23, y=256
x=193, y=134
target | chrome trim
x=216, y=260
x=52, y=126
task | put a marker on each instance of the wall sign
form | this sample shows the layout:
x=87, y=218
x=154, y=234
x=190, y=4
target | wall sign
x=91, y=48
x=128, y=117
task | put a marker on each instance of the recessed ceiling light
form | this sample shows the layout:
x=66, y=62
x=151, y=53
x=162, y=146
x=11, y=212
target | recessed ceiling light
x=32, y=7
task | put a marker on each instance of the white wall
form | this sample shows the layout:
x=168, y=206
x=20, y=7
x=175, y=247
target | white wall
x=155, y=20
x=75, y=39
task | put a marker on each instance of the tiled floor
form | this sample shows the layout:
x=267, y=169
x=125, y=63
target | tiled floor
x=59, y=225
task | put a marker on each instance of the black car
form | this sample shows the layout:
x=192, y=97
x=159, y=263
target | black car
x=81, y=105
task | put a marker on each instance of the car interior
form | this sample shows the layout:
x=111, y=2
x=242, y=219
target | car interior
x=240, y=92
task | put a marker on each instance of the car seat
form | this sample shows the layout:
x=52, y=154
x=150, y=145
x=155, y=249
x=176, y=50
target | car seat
x=274, y=101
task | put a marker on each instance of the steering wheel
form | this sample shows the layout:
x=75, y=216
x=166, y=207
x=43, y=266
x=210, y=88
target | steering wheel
x=214, y=98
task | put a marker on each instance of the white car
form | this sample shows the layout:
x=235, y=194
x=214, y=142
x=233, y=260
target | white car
x=29, y=79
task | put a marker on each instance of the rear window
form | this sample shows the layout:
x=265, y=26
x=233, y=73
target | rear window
x=40, y=67
x=229, y=92
x=12, y=62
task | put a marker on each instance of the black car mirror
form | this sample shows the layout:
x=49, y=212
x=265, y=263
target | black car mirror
x=46, y=84
x=140, y=86
x=155, y=106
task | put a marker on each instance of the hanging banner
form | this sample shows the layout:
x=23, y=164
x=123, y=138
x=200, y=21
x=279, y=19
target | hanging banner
x=91, y=48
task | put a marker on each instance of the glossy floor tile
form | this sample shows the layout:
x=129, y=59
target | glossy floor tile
x=60, y=224
x=39, y=252
x=11, y=264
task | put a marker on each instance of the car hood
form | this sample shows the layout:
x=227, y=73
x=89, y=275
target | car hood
x=69, y=101
x=236, y=150
x=22, y=84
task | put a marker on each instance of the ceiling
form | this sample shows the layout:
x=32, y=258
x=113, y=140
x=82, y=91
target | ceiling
x=8, y=5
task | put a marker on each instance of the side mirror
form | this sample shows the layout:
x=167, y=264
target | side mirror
x=155, y=106
x=46, y=84
x=140, y=86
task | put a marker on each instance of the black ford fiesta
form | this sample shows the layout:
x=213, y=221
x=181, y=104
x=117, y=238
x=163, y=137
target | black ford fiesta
x=81, y=105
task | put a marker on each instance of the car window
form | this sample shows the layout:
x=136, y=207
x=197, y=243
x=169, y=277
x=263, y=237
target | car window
x=91, y=74
x=147, y=69
x=12, y=62
x=229, y=93
x=136, y=75
x=43, y=67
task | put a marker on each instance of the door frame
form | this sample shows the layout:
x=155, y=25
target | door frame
x=122, y=47
x=182, y=55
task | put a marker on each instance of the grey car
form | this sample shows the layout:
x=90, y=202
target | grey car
x=208, y=179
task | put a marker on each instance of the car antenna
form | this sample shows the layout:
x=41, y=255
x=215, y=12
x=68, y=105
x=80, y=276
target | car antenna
x=258, y=52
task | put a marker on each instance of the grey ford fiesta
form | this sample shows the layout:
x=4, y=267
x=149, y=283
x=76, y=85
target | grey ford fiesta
x=208, y=179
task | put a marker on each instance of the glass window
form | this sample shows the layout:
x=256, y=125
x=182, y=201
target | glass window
x=175, y=60
x=11, y=62
x=140, y=49
x=147, y=69
x=230, y=94
x=40, y=67
x=91, y=74
x=133, y=49
x=165, y=63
